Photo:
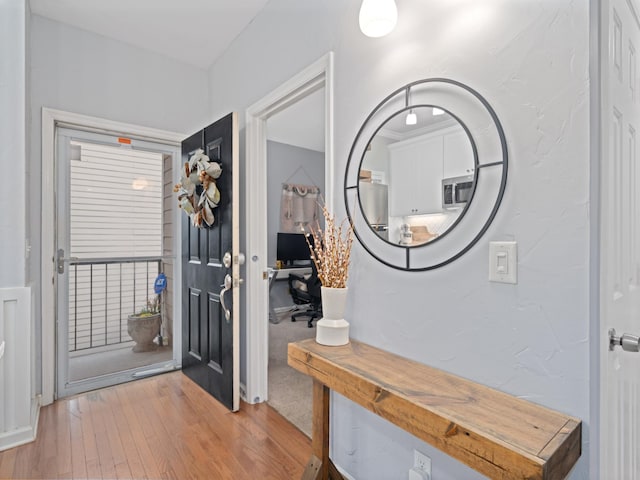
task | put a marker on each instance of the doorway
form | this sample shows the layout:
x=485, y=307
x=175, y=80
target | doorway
x=295, y=188
x=114, y=321
x=314, y=78
x=167, y=143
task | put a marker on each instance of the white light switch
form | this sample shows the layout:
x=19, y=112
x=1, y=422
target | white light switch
x=503, y=262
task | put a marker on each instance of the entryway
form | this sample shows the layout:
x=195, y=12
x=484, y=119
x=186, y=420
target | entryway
x=114, y=260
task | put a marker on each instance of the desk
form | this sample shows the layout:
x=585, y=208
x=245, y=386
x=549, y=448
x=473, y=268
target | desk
x=499, y=435
x=281, y=274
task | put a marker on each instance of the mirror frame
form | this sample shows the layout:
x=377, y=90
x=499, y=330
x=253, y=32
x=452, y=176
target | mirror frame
x=350, y=183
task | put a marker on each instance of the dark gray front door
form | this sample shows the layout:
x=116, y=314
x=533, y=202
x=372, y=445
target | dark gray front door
x=210, y=333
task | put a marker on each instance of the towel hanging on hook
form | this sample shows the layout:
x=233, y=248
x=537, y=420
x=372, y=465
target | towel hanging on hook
x=298, y=208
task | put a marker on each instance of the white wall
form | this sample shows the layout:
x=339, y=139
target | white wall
x=530, y=60
x=13, y=141
x=81, y=72
x=283, y=162
x=18, y=414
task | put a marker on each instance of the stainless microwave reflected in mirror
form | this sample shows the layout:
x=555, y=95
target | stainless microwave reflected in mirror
x=416, y=176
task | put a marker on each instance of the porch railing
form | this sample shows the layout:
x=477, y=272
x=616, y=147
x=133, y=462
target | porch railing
x=103, y=292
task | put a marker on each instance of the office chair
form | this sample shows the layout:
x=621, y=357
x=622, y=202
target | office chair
x=306, y=291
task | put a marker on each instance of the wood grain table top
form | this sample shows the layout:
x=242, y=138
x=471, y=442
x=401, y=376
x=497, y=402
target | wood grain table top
x=495, y=433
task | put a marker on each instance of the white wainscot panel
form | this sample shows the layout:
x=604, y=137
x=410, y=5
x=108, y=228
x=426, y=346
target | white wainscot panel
x=19, y=408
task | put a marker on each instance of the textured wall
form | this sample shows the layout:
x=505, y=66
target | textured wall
x=530, y=60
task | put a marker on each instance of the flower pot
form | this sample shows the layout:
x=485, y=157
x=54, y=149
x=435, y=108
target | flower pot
x=332, y=329
x=143, y=329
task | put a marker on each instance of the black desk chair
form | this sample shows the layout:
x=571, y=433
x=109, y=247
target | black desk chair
x=306, y=291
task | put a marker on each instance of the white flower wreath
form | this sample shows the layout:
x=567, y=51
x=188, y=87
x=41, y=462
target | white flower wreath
x=197, y=192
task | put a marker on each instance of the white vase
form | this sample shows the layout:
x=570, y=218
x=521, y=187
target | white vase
x=332, y=329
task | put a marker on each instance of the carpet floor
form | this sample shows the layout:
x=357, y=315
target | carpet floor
x=289, y=390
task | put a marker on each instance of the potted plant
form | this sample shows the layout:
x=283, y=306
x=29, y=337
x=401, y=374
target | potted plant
x=331, y=254
x=144, y=325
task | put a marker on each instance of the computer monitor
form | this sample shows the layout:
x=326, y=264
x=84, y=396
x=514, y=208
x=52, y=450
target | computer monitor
x=292, y=249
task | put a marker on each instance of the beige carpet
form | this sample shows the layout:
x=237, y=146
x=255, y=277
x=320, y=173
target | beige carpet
x=289, y=390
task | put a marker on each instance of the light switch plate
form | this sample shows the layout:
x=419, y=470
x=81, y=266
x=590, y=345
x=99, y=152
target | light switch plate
x=503, y=262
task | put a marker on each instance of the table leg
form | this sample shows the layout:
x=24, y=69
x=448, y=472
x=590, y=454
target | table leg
x=320, y=426
x=320, y=466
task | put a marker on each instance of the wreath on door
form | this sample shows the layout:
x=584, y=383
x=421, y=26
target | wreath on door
x=197, y=192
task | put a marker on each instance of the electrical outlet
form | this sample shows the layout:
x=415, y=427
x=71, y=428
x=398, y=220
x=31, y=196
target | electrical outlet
x=421, y=462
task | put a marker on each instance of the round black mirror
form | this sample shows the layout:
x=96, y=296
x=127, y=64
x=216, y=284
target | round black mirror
x=426, y=174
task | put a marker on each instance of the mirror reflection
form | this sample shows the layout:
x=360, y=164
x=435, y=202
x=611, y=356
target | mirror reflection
x=416, y=176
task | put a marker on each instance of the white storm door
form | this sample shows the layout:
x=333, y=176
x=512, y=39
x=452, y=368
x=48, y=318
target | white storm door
x=620, y=241
x=111, y=243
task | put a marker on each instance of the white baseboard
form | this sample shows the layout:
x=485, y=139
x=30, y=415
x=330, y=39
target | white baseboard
x=23, y=435
x=243, y=392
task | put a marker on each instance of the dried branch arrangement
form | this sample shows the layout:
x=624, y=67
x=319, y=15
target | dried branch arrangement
x=331, y=251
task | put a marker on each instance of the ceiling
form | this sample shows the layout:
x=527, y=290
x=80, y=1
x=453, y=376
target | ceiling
x=396, y=128
x=301, y=124
x=196, y=32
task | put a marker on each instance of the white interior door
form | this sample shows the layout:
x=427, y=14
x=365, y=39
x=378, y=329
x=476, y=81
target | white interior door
x=620, y=240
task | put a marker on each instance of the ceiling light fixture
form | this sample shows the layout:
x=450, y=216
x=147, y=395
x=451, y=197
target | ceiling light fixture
x=412, y=118
x=437, y=111
x=378, y=17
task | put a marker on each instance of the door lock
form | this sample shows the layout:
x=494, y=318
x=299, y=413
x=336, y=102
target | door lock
x=61, y=260
x=628, y=342
x=227, y=259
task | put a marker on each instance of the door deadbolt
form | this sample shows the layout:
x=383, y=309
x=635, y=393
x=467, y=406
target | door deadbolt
x=226, y=260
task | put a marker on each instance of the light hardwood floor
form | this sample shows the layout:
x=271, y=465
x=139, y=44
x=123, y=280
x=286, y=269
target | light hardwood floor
x=159, y=427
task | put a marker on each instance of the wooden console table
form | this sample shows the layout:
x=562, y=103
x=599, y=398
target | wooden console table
x=497, y=434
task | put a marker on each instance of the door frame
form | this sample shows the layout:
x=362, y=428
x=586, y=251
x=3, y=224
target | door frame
x=51, y=119
x=314, y=77
x=595, y=145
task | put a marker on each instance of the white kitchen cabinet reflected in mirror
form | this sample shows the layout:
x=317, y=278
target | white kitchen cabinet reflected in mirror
x=415, y=180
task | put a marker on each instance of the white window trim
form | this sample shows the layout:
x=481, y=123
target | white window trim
x=51, y=118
